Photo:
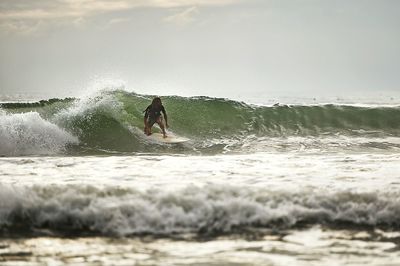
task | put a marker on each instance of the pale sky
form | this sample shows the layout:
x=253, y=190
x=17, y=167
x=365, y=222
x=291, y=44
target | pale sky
x=201, y=47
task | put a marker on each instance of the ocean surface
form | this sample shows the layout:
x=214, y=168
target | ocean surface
x=272, y=184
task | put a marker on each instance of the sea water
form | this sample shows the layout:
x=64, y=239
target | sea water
x=301, y=184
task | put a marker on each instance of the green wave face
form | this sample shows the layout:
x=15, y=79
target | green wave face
x=202, y=117
x=113, y=121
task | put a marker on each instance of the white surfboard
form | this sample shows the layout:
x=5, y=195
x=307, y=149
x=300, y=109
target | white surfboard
x=158, y=137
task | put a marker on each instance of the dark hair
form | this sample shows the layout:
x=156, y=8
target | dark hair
x=156, y=101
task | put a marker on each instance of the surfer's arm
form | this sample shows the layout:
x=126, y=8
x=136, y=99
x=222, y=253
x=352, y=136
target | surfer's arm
x=165, y=116
x=145, y=119
x=146, y=115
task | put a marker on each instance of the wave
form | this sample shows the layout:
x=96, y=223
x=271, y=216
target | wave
x=113, y=121
x=195, y=210
x=28, y=133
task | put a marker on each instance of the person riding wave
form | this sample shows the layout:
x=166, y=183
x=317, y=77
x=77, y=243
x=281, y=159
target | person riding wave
x=153, y=115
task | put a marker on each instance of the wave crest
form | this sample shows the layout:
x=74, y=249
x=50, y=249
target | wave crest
x=28, y=133
x=113, y=121
x=203, y=211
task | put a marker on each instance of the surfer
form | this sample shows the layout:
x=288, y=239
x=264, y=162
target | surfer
x=152, y=115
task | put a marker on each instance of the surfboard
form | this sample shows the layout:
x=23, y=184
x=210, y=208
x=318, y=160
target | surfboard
x=158, y=137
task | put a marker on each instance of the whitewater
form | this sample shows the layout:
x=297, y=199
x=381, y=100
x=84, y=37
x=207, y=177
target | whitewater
x=276, y=184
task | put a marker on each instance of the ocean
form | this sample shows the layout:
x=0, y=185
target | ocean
x=257, y=184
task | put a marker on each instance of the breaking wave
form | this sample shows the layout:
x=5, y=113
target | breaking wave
x=195, y=210
x=113, y=121
x=28, y=133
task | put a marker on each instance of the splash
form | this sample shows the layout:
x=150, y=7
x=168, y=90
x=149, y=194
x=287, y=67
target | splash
x=206, y=210
x=112, y=120
x=28, y=133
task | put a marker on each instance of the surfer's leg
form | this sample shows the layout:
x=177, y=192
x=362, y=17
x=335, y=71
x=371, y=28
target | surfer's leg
x=150, y=124
x=161, y=124
x=147, y=131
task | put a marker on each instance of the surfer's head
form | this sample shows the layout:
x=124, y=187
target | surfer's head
x=156, y=102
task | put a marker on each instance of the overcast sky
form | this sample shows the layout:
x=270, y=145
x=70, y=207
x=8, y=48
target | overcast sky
x=201, y=47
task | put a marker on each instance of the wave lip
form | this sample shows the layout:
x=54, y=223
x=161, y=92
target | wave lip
x=208, y=210
x=28, y=133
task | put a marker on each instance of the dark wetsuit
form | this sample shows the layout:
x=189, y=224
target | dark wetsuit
x=152, y=114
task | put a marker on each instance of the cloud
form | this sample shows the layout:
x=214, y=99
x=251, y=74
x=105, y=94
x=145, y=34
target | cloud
x=24, y=16
x=21, y=27
x=184, y=17
x=118, y=21
x=44, y=9
x=115, y=21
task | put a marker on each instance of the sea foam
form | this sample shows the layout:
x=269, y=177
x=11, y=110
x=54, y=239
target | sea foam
x=205, y=210
x=28, y=133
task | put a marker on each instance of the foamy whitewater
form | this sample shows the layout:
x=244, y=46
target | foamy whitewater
x=298, y=184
